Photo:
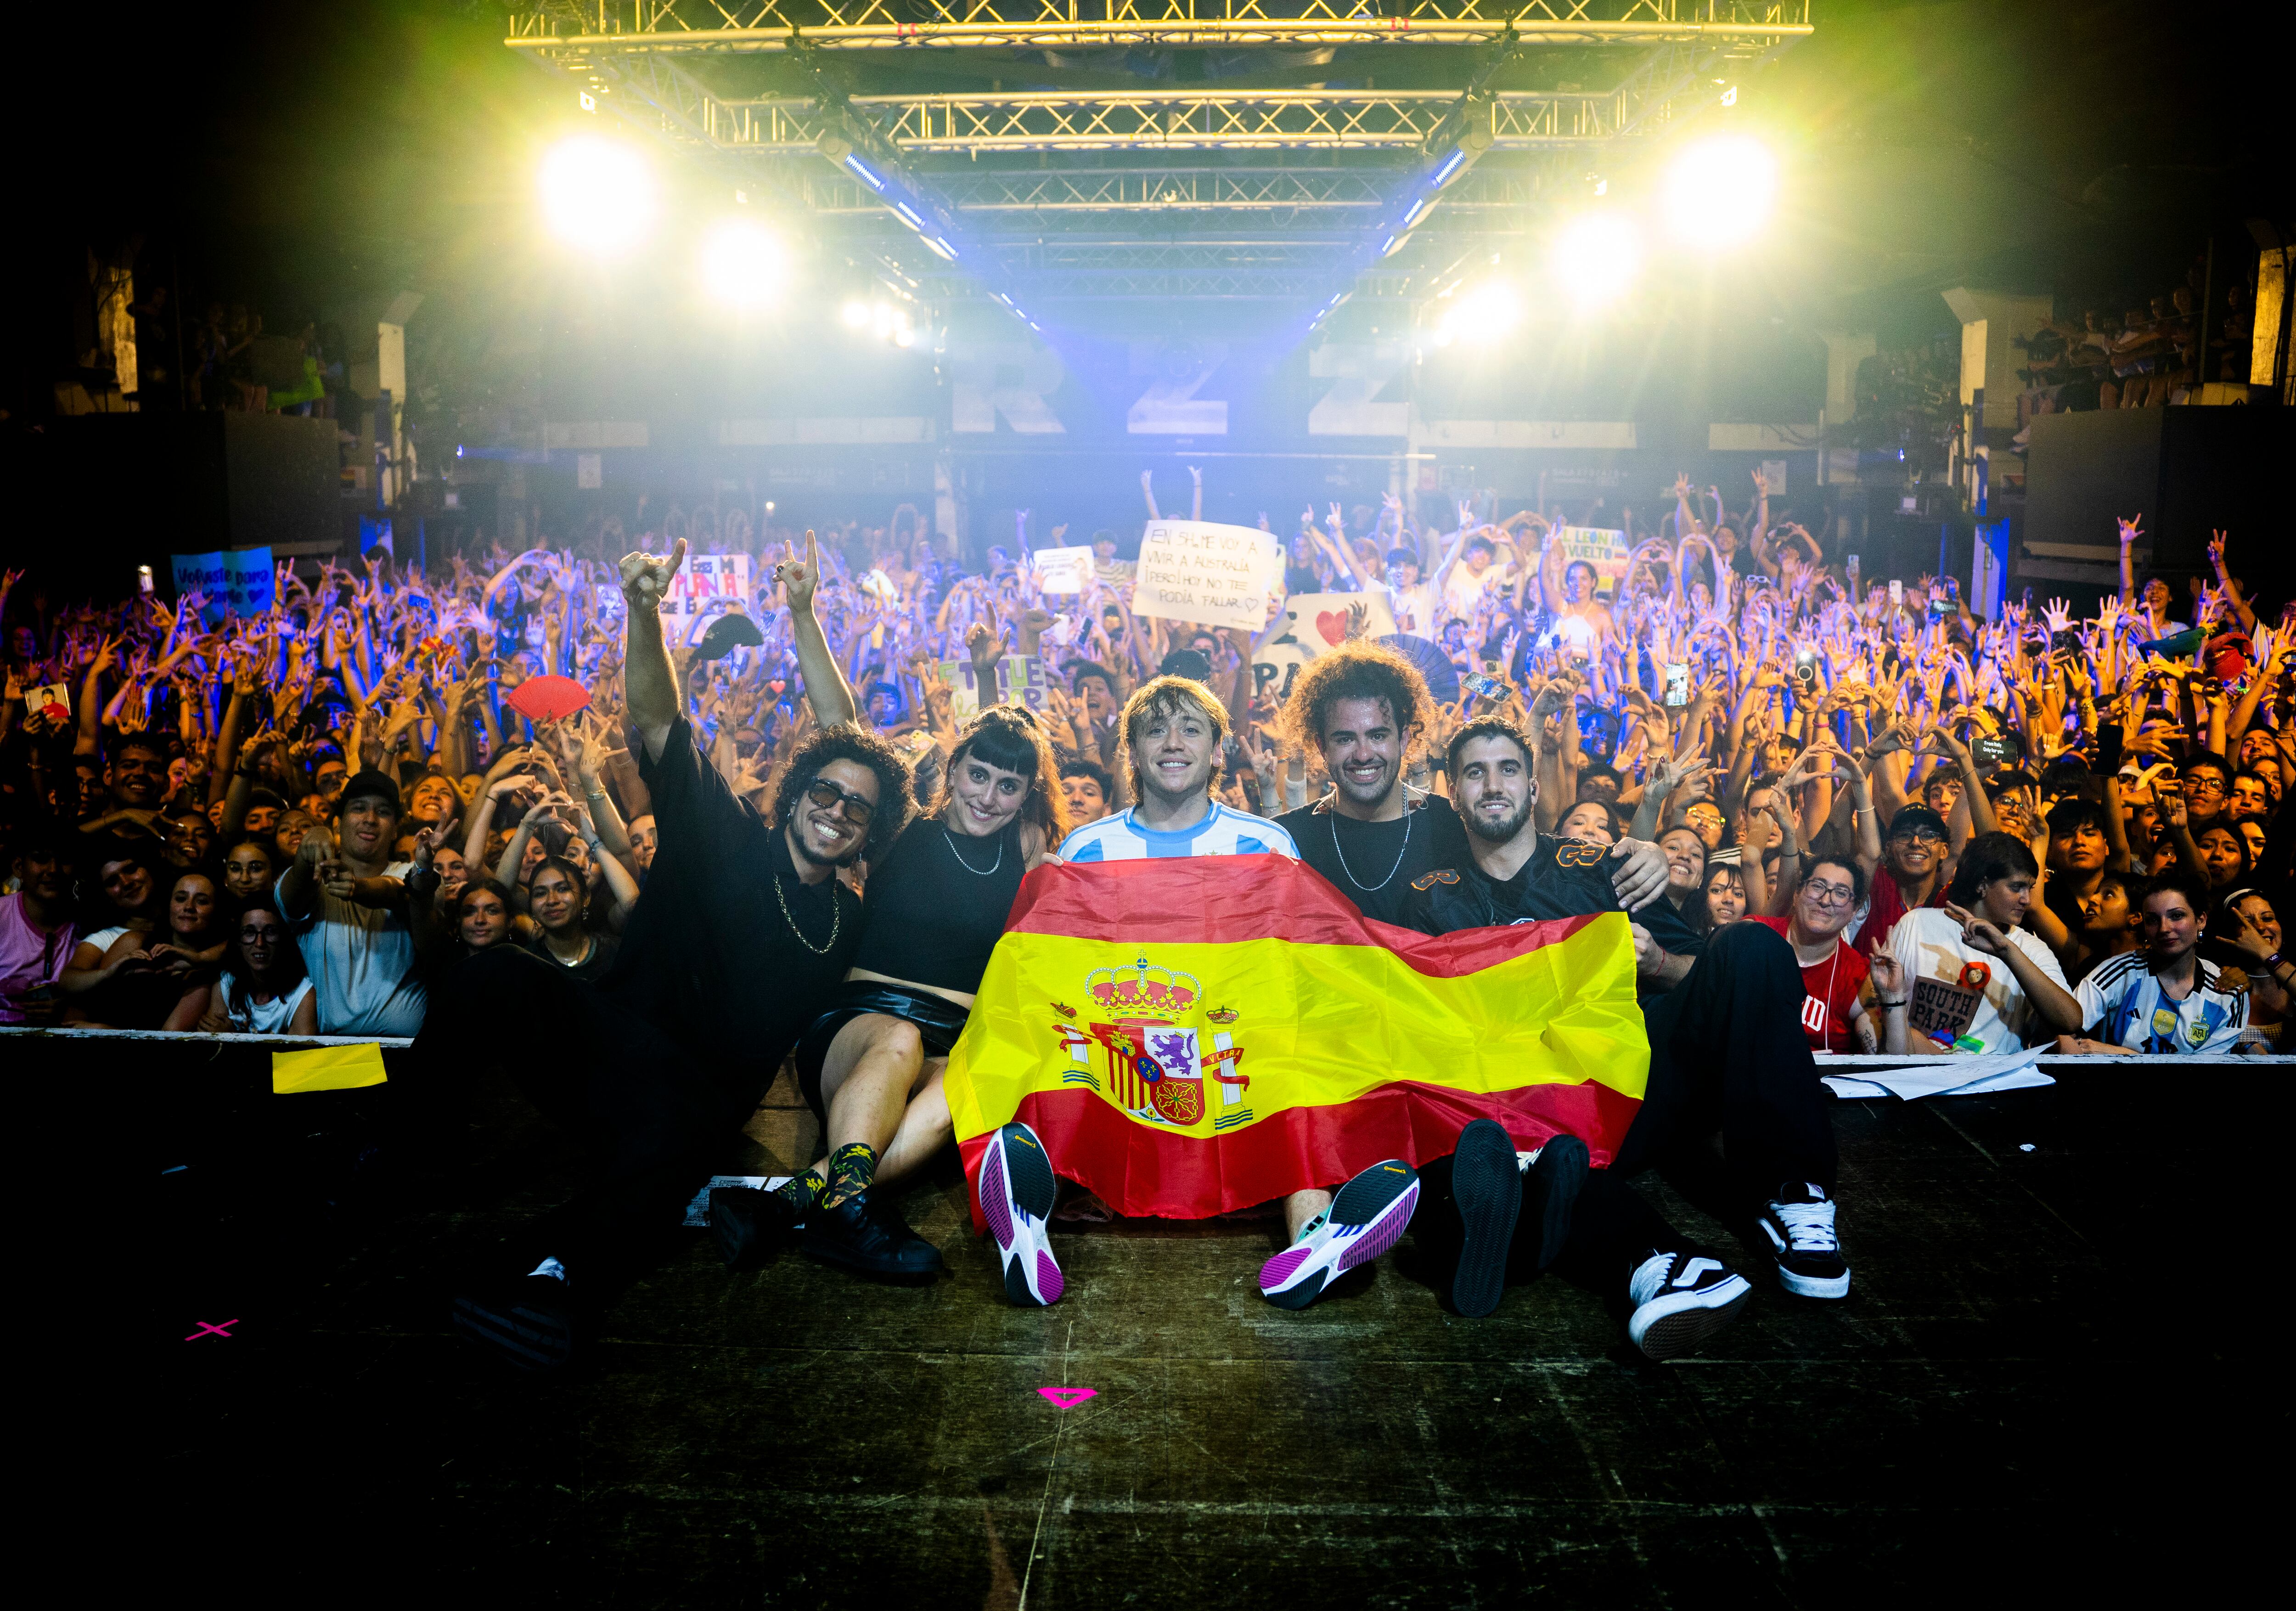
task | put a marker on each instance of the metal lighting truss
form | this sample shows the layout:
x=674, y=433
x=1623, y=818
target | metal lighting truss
x=1384, y=163
x=748, y=26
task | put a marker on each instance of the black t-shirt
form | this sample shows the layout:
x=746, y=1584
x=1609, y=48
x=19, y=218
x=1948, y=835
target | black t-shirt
x=937, y=906
x=1562, y=878
x=730, y=953
x=1373, y=863
x=592, y=969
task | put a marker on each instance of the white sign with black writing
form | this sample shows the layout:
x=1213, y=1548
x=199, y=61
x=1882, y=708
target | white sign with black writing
x=1196, y=571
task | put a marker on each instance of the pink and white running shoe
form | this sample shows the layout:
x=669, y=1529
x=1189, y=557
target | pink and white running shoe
x=1017, y=1193
x=1366, y=1217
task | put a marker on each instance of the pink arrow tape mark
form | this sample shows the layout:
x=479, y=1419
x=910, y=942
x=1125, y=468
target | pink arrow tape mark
x=1066, y=1396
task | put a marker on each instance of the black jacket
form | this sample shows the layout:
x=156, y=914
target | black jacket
x=1563, y=878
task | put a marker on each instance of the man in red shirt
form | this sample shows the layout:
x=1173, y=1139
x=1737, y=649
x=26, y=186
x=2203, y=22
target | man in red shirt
x=1912, y=874
x=1834, y=1009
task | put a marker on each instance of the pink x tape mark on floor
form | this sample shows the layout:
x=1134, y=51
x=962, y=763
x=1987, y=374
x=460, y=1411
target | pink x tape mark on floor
x=223, y=1330
x=1063, y=1396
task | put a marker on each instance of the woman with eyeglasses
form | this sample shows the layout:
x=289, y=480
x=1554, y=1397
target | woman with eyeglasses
x=1980, y=981
x=871, y=1065
x=263, y=989
x=1836, y=1009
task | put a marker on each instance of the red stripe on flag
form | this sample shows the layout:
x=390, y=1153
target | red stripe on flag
x=1218, y=899
x=1138, y=1169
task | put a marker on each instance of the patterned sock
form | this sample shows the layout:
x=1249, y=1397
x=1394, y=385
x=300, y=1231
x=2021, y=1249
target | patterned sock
x=851, y=1168
x=803, y=1191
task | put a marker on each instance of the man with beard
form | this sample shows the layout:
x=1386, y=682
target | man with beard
x=1727, y=1055
x=743, y=931
x=1363, y=707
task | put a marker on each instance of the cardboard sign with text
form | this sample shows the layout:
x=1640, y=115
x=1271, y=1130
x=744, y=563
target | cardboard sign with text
x=1019, y=680
x=709, y=586
x=1196, y=571
x=1063, y=569
x=249, y=581
x=203, y=573
x=1605, y=550
x=1313, y=623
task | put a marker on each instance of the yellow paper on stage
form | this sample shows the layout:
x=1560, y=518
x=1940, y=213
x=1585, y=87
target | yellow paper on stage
x=326, y=1068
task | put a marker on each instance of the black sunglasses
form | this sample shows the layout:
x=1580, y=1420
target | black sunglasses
x=825, y=793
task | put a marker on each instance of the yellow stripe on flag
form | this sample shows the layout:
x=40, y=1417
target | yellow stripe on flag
x=326, y=1068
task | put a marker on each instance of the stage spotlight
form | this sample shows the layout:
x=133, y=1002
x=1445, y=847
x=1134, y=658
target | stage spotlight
x=1719, y=192
x=597, y=193
x=742, y=263
x=855, y=315
x=1489, y=309
x=1595, y=257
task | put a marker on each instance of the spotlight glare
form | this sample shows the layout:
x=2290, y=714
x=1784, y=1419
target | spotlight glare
x=855, y=315
x=1595, y=257
x=1719, y=191
x=742, y=263
x=597, y=193
x=1491, y=308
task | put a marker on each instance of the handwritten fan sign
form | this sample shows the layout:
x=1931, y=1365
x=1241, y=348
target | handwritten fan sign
x=1063, y=569
x=1019, y=680
x=711, y=584
x=1196, y=571
x=1313, y=624
x=1605, y=550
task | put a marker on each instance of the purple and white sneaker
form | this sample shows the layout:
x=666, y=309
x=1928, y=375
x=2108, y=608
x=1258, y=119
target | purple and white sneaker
x=1366, y=1217
x=1017, y=1193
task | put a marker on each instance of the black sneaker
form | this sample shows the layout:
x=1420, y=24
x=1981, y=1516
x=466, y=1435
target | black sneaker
x=1799, y=1224
x=1551, y=1185
x=748, y=1224
x=1680, y=1300
x=870, y=1240
x=1487, y=1188
x=528, y=1323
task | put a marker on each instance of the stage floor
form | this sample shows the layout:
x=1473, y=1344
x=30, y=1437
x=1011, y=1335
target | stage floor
x=2035, y=1384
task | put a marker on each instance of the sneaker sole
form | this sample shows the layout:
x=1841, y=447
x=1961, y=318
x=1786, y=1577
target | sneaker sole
x=1295, y=1277
x=1488, y=1190
x=1685, y=1319
x=1017, y=1194
x=1560, y=1171
x=532, y=1339
x=1797, y=1284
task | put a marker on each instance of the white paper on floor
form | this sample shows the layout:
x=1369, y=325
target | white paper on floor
x=697, y=1212
x=1961, y=1077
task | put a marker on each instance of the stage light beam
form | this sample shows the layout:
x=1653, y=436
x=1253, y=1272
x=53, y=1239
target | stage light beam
x=742, y=264
x=1719, y=191
x=597, y=193
x=1595, y=258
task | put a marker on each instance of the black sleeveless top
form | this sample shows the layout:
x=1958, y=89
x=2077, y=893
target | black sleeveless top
x=931, y=919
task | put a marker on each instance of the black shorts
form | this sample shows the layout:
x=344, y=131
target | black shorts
x=938, y=1021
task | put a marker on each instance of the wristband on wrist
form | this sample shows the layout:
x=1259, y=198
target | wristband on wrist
x=1896, y=1007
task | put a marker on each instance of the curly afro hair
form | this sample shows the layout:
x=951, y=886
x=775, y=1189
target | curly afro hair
x=1357, y=669
x=855, y=744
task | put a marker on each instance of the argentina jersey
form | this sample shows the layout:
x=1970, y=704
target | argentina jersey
x=2124, y=999
x=1224, y=831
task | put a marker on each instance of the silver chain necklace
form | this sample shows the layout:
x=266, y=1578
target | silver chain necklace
x=978, y=872
x=1399, y=853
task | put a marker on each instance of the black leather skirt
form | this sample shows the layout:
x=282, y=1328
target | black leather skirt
x=938, y=1021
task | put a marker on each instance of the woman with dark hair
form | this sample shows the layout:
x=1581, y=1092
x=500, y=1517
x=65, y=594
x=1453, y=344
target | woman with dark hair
x=1684, y=850
x=156, y=984
x=1725, y=894
x=2224, y=855
x=131, y=901
x=1980, y=981
x=249, y=871
x=263, y=989
x=554, y=899
x=871, y=1065
x=481, y=916
x=2244, y=932
x=1594, y=820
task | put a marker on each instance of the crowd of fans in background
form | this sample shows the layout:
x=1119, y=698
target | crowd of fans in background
x=215, y=825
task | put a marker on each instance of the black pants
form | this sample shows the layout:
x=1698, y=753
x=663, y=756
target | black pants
x=650, y=1115
x=1728, y=1057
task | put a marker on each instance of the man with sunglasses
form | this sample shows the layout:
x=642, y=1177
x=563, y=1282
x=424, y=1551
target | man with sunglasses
x=743, y=932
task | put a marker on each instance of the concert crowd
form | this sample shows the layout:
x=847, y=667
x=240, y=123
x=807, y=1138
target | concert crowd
x=1843, y=813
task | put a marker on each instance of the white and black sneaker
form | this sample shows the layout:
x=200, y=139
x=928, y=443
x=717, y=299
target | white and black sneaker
x=1680, y=1300
x=1799, y=1224
x=1017, y=1194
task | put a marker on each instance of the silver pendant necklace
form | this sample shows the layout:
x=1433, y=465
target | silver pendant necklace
x=1400, y=852
x=990, y=872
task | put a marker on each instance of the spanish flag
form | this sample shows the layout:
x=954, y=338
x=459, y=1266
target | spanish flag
x=1193, y=1035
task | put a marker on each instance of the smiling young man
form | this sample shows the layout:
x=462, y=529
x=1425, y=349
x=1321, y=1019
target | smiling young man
x=1173, y=731
x=346, y=897
x=743, y=930
x=1728, y=1057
